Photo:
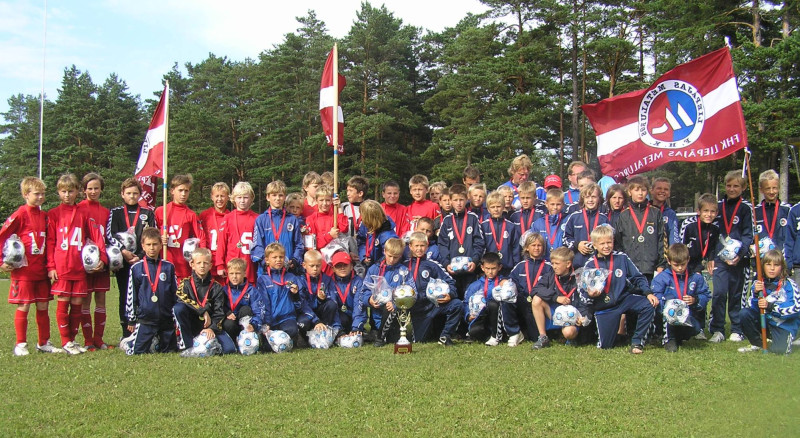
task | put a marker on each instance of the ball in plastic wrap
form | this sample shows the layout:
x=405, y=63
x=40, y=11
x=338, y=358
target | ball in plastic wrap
x=202, y=346
x=436, y=290
x=730, y=249
x=505, y=292
x=127, y=240
x=764, y=244
x=91, y=256
x=593, y=279
x=14, y=252
x=189, y=245
x=476, y=304
x=350, y=341
x=114, y=258
x=321, y=339
x=566, y=316
x=460, y=264
x=248, y=342
x=279, y=341
x=381, y=291
x=676, y=312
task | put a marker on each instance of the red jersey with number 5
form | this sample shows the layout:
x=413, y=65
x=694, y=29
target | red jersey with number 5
x=236, y=240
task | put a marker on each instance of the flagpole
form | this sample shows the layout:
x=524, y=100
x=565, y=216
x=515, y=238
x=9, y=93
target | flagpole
x=164, y=164
x=335, y=129
x=759, y=272
x=41, y=97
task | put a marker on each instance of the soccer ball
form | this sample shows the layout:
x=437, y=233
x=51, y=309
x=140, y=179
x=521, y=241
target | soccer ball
x=381, y=291
x=91, y=256
x=350, y=341
x=127, y=240
x=566, y=316
x=248, y=342
x=279, y=341
x=14, y=252
x=505, y=292
x=321, y=339
x=730, y=249
x=594, y=279
x=437, y=289
x=764, y=244
x=189, y=246
x=676, y=312
x=476, y=304
x=114, y=258
x=460, y=264
x=203, y=347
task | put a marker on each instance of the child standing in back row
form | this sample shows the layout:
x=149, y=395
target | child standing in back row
x=213, y=220
x=181, y=223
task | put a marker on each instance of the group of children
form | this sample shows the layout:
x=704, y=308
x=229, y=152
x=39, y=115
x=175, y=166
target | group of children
x=310, y=262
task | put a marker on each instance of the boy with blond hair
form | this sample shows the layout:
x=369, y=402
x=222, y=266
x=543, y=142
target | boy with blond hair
x=277, y=225
x=213, y=220
x=551, y=225
x=500, y=233
x=321, y=222
x=529, y=207
x=421, y=207
x=640, y=230
x=236, y=233
x=556, y=288
x=311, y=181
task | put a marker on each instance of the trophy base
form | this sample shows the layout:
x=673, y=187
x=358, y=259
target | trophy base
x=402, y=348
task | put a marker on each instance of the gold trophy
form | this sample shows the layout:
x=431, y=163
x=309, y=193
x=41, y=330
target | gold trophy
x=404, y=299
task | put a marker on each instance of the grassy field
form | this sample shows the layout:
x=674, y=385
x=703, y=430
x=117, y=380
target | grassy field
x=467, y=390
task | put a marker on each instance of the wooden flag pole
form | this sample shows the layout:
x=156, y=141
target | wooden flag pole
x=335, y=130
x=164, y=164
x=759, y=271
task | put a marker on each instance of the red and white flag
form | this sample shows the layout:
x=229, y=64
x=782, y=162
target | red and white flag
x=151, y=157
x=691, y=113
x=327, y=97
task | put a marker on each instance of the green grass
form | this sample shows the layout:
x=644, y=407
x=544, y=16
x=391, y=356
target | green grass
x=703, y=390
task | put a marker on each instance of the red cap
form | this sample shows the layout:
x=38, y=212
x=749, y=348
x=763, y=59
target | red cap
x=552, y=181
x=341, y=257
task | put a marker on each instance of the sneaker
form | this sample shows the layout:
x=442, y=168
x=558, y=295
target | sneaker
x=446, y=341
x=736, y=337
x=671, y=346
x=89, y=347
x=701, y=336
x=379, y=342
x=105, y=346
x=796, y=342
x=82, y=349
x=542, y=342
x=48, y=348
x=21, y=349
x=72, y=348
x=717, y=337
x=749, y=349
x=516, y=339
x=492, y=342
x=570, y=342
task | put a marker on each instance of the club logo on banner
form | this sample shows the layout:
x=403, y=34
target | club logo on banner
x=640, y=131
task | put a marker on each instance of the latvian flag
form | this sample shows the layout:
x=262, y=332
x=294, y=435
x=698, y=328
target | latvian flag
x=691, y=113
x=151, y=156
x=327, y=97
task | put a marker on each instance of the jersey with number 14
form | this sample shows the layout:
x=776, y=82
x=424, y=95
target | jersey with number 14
x=236, y=240
x=182, y=223
x=68, y=228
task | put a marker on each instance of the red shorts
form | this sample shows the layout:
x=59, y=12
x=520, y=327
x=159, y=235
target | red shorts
x=100, y=282
x=27, y=292
x=69, y=288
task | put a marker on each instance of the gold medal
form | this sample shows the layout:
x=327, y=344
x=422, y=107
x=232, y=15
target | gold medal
x=530, y=299
x=344, y=308
x=640, y=239
x=460, y=250
x=607, y=299
x=500, y=255
x=154, y=298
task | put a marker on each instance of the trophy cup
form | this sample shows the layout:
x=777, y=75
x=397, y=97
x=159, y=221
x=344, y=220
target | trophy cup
x=404, y=299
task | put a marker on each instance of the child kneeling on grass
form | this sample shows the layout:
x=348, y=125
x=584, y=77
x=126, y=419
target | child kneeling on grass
x=277, y=296
x=556, y=288
x=238, y=293
x=150, y=298
x=626, y=292
x=781, y=304
x=678, y=283
x=497, y=318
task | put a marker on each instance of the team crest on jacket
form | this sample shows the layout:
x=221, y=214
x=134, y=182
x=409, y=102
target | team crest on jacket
x=671, y=115
x=618, y=273
x=650, y=230
x=783, y=222
x=469, y=230
x=426, y=274
x=735, y=220
x=142, y=217
x=666, y=220
x=395, y=278
x=290, y=227
x=162, y=276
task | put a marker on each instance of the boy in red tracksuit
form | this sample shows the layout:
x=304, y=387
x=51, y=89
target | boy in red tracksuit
x=68, y=229
x=236, y=233
x=421, y=207
x=100, y=282
x=181, y=223
x=392, y=207
x=29, y=284
x=321, y=222
x=213, y=218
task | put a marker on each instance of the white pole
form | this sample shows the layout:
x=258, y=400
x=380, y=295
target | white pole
x=41, y=96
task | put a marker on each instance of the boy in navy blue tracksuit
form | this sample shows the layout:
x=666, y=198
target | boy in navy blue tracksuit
x=531, y=207
x=552, y=225
x=396, y=274
x=352, y=314
x=581, y=223
x=277, y=225
x=556, y=288
x=277, y=295
x=625, y=292
x=151, y=295
x=238, y=292
x=678, y=283
x=772, y=215
x=461, y=235
x=497, y=318
x=200, y=305
x=424, y=312
x=501, y=235
x=526, y=275
x=316, y=308
x=734, y=220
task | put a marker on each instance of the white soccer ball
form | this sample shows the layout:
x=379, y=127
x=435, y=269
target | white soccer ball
x=127, y=240
x=202, y=346
x=350, y=341
x=730, y=249
x=14, y=252
x=91, y=256
x=436, y=290
x=676, y=312
x=566, y=316
x=382, y=296
x=505, y=292
x=460, y=264
x=279, y=341
x=320, y=339
x=189, y=245
x=114, y=258
x=248, y=342
x=593, y=279
x=476, y=304
x=764, y=244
